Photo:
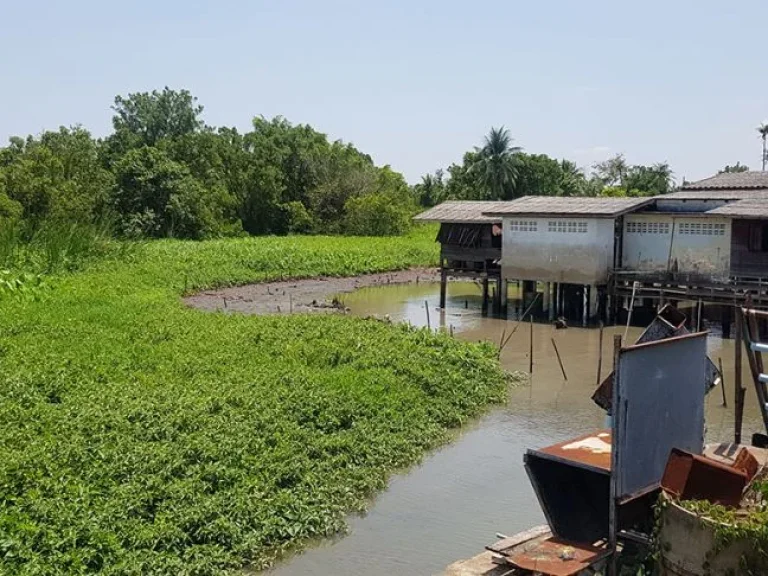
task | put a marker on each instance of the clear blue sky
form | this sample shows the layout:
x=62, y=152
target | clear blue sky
x=413, y=83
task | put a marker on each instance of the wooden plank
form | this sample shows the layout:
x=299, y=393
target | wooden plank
x=505, y=544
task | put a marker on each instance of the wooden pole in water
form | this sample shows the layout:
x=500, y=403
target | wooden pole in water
x=738, y=396
x=698, y=315
x=722, y=380
x=530, y=350
x=426, y=307
x=600, y=355
x=559, y=361
x=443, y=285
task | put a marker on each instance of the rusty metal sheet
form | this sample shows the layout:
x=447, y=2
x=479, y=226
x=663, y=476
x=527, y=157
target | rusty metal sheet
x=692, y=477
x=661, y=406
x=558, y=557
x=668, y=323
x=590, y=450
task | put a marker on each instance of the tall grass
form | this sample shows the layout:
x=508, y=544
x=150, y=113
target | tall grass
x=52, y=246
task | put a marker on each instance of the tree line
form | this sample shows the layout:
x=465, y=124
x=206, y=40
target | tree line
x=163, y=173
x=498, y=170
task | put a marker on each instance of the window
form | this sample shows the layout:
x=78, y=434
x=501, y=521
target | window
x=567, y=227
x=701, y=229
x=647, y=227
x=524, y=226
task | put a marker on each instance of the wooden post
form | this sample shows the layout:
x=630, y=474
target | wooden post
x=726, y=322
x=722, y=381
x=737, y=387
x=600, y=355
x=585, y=306
x=426, y=307
x=530, y=349
x=559, y=360
x=443, y=286
x=485, y=296
x=698, y=315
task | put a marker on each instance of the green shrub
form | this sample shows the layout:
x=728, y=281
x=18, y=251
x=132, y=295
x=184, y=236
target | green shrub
x=376, y=215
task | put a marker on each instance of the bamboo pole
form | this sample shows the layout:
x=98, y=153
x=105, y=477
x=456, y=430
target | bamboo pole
x=600, y=356
x=559, y=360
x=530, y=349
x=722, y=381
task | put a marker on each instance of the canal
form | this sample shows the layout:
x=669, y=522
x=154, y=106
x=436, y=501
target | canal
x=462, y=495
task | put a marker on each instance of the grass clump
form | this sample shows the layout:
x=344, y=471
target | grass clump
x=143, y=437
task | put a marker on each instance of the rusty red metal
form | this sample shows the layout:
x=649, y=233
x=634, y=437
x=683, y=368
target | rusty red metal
x=558, y=557
x=590, y=449
x=692, y=477
x=746, y=462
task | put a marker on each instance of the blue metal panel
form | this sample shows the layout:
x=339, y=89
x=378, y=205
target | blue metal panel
x=661, y=406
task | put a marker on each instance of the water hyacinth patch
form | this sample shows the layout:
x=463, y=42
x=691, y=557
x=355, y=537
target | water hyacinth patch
x=143, y=437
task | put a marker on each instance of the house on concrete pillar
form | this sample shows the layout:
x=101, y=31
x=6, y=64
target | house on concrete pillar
x=570, y=244
x=470, y=242
x=710, y=231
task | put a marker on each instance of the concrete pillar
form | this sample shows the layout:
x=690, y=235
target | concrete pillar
x=484, y=308
x=545, y=301
x=551, y=294
x=585, y=305
x=593, y=301
x=504, y=289
x=608, y=309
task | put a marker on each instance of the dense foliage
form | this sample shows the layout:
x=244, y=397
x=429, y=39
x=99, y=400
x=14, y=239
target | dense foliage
x=144, y=437
x=498, y=170
x=164, y=173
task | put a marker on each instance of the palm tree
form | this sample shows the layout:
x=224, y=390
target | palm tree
x=496, y=164
x=763, y=130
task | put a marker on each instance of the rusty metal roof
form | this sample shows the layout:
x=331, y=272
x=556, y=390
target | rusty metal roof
x=558, y=557
x=569, y=206
x=461, y=212
x=731, y=181
x=750, y=208
x=591, y=450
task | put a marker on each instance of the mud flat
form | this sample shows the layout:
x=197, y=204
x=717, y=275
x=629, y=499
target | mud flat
x=310, y=295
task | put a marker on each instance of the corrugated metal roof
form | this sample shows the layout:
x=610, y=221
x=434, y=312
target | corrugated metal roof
x=462, y=212
x=716, y=194
x=731, y=181
x=570, y=206
x=749, y=208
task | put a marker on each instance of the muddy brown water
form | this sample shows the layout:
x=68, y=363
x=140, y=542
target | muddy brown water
x=461, y=496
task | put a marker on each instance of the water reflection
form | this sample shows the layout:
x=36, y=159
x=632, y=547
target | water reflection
x=461, y=496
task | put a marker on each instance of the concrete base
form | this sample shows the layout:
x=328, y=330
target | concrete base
x=480, y=565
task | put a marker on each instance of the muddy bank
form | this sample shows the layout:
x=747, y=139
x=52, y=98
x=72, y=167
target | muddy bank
x=310, y=295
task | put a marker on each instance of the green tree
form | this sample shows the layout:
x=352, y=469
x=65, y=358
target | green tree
x=146, y=118
x=496, y=165
x=431, y=190
x=613, y=171
x=738, y=167
x=650, y=180
x=56, y=176
x=156, y=196
x=375, y=215
x=763, y=131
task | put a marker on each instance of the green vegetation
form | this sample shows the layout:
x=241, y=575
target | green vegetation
x=144, y=437
x=500, y=171
x=732, y=525
x=164, y=173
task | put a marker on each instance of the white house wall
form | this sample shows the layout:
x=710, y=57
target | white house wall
x=700, y=246
x=569, y=250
